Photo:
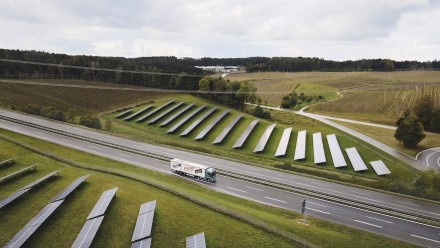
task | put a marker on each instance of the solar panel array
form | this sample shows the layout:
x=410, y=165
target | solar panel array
x=300, y=149
x=318, y=149
x=335, y=151
x=7, y=162
x=208, y=128
x=25, y=233
x=284, y=142
x=87, y=233
x=12, y=197
x=17, y=173
x=264, y=138
x=25, y=189
x=239, y=143
x=137, y=113
x=227, y=129
x=154, y=111
x=38, y=181
x=355, y=159
x=185, y=119
x=123, y=113
x=102, y=204
x=167, y=121
x=197, y=122
x=196, y=241
x=146, y=243
x=152, y=121
x=69, y=189
x=380, y=168
x=144, y=221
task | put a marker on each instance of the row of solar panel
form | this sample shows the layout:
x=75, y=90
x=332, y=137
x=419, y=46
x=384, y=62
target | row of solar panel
x=300, y=150
x=18, y=173
x=26, y=232
x=7, y=162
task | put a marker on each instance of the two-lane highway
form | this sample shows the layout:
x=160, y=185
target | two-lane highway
x=358, y=218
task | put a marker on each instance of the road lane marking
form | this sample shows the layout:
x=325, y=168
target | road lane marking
x=94, y=147
x=254, y=188
x=366, y=223
x=316, y=210
x=237, y=189
x=425, y=238
x=315, y=204
x=379, y=219
x=407, y=203
x=124, y=155
x=358, y=192
x=273, y=199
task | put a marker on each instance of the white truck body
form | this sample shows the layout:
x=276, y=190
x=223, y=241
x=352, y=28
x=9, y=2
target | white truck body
x=192, y=169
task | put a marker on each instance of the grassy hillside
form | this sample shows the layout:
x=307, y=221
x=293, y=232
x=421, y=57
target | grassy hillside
x=137, y=185
x=155, y=134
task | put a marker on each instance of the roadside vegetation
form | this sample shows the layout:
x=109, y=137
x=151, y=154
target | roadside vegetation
x=251, y=225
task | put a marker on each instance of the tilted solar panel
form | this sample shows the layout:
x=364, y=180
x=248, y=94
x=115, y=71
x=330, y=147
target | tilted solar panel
x=300, y=149
x=284, y=142
x=196, y=241
x=318, y=149
x=146, y=243
x=13, y=197
x=170, y=119
x=102, y=204
x=185, y=119
x=227, y=129
x=154, y=111
x=208, y=128
x=152, y=121
x=197, y=122
x=87, y=233
x=240, y=141
x=264, y=138
x=69, y=189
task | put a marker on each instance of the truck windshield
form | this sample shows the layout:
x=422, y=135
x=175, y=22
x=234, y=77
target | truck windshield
x=211, y=172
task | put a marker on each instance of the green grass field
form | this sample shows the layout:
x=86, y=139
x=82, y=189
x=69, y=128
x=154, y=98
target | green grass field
x=174, y=218
x=156, y=134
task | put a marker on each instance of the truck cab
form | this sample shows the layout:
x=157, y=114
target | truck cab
x=210, y=174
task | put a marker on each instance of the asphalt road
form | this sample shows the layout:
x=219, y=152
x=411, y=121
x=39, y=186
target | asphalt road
x=369, y=221
x=430, y=157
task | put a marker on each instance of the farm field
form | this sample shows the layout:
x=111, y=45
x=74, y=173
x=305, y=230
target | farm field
x=220, y=229
x=75, y=101
x=154, y=133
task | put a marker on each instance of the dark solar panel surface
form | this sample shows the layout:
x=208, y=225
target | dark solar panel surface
x=123, y=113
x=284, y=142
x=87, y=233
x=102, y=204
x=38, y=181
x=137, y=113
x=185, y=119
x=146, y=243
x=17, y=173
x=227, y=129
x=144, y=222
x=264, y=138
x=197, y=122
x=239, y=143
x=167, y=121
x=154, y=111
x=208, y=128
x=196, y=241
x=25, y=233
x=69, y=189
x=152, y=121
x=12, y=197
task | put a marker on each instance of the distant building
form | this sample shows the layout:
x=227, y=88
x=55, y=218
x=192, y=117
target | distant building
x=222, y=69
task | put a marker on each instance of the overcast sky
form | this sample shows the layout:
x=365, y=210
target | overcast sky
x=330, y=29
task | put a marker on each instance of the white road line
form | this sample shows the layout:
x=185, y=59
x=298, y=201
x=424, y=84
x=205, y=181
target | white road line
x=273, y=199
x=94, y=147
x=358, y=192
x=366, y=223
x=124, y=155
x=316, y=210
x=427, y=158
x=379, y=219
x=254, y=188
x=407, y=203
x=237, y=189
x=315, y=204
x=425, y=238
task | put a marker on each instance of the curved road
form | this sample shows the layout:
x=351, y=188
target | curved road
x=430, y=157
x=366, y=220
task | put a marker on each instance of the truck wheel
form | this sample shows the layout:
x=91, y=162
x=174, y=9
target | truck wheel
x=197, y=177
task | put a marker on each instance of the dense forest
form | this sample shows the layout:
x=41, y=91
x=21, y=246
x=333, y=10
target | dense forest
x=188, y=76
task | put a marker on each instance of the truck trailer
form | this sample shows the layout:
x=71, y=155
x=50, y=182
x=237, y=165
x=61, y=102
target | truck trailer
x=198, y=171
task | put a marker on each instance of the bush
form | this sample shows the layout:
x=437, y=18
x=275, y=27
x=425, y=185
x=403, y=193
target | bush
x=89, y=121
x=260, y=113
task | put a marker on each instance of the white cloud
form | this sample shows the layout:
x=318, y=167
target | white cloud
x=344, y=29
